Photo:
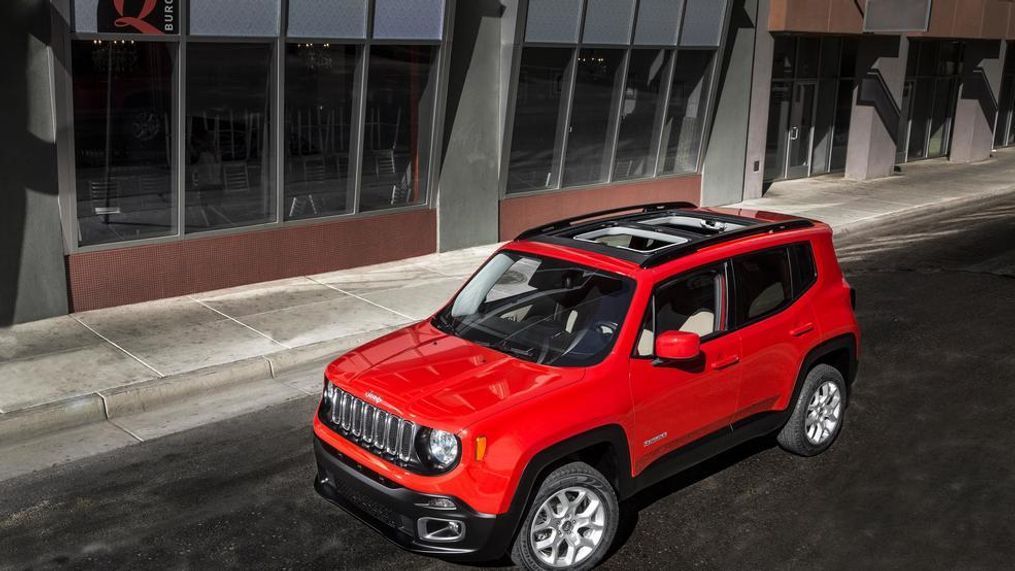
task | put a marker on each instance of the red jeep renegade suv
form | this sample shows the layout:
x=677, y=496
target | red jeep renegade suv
x=586, y=360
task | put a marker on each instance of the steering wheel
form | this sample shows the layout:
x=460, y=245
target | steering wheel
x=605, y=328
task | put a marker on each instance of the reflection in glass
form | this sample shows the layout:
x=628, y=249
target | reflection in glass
x=596, y=78
x=399, y=114
x=228, y=136
x=921, y=107
x=639, y=113
x=538, y=108
x=123, y=140
x=808, y=50
x=318, y=118
x=784, y=57
x=778, y=124
x=685, y=118
x=840, y=136
x=941, y=117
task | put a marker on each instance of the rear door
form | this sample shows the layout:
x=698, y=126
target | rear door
x=677, y=403
x=776, y=322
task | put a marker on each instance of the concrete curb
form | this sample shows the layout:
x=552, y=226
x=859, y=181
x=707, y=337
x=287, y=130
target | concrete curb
x=146, y=396
x=861, y=226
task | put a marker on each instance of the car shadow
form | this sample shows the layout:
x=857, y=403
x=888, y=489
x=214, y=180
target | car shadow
x=632, y=506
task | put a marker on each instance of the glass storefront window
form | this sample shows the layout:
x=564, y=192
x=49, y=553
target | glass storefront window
x=808, y=55
x=229, y=174
x=123, y=140
x=595, y=87
x=538, y=106
x=319, y=100
x=784, y=58
x=639, y=112
x=685, y=118
x=399, y=115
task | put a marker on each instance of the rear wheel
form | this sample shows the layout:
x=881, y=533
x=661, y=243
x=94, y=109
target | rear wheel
x=571, y=522
x=817, y=414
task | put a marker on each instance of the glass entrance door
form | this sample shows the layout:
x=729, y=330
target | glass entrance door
x=801, y=130
x=902, y=142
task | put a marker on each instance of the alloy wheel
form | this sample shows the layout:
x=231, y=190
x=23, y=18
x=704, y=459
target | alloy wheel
x=568, y=527
x=823, y=413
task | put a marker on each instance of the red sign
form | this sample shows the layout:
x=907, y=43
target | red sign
x=149, y=17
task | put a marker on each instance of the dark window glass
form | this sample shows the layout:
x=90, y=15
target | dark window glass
x=945, y=91
x=123, y=140
x=399, y=114
x=229, y=165
x=591, y=112
x=685, y=117
x=843, y=113
x=804, y=272
x=691, y=304
x=847, y=61
x=538, y=108
x=808, y=51
x=764, y=284
x=639, y=114
x=318, y=119
x=920, y=111
x=830, y=50
x=949, y=61
x=784, y=59
x=778, y=119
x=928, y=57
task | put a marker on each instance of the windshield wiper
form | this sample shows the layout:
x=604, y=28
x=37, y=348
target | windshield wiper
x=444, y=323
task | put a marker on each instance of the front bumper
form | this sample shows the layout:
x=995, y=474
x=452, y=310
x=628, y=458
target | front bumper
x=394, y=510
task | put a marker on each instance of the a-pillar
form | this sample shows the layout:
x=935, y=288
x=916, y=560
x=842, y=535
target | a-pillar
x=973, y=127
x=874, y=123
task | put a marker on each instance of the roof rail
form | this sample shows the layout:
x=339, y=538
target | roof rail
x=675, y=252
x=568, y=222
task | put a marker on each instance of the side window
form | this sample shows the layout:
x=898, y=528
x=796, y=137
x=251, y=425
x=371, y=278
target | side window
x=692, y=303
x=804, y=272
x=764, y=284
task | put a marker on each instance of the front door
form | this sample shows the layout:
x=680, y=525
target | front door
x=800, y=133
x=677, y=403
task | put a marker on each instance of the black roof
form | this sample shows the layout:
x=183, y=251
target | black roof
x=712, y=228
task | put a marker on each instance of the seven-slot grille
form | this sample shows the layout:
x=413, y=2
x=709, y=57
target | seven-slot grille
x=372, y=428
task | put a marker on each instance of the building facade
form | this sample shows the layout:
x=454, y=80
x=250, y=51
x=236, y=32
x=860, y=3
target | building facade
x=165, y=147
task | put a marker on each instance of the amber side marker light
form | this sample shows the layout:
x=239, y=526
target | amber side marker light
x=480, y=448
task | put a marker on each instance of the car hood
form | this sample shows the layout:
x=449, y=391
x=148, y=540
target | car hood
x=439, y=380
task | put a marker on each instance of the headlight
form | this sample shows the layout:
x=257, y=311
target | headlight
x=441, y=449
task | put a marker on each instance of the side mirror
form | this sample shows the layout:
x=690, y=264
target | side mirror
x=678, y=345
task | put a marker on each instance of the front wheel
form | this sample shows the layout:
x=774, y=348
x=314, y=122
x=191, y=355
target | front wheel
x=571, y=522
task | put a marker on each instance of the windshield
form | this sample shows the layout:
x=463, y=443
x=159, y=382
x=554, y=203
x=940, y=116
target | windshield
x=544, y=310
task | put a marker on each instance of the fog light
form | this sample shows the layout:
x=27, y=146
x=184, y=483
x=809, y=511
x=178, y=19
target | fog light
x=437, y=503
x=440, y=530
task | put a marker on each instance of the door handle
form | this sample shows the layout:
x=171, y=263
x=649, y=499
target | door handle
x=805, y=328
x=726, y=362
x=794, y=133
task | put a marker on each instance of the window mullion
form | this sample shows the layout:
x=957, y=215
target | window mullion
x=613, y=131
x=564, y=128
x=356, y=139
x=662, y=137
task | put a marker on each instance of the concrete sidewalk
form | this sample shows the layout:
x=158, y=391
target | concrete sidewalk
x=116, y=364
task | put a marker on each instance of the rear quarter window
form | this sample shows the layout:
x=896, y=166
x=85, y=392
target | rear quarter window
x=804, y=271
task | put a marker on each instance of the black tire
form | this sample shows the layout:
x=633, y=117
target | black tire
x=575, y=474
x=793, y=436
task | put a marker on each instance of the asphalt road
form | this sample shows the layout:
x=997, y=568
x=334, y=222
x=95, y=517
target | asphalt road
x=923, y=475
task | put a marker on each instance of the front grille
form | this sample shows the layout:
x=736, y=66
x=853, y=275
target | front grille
x=371, y=428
